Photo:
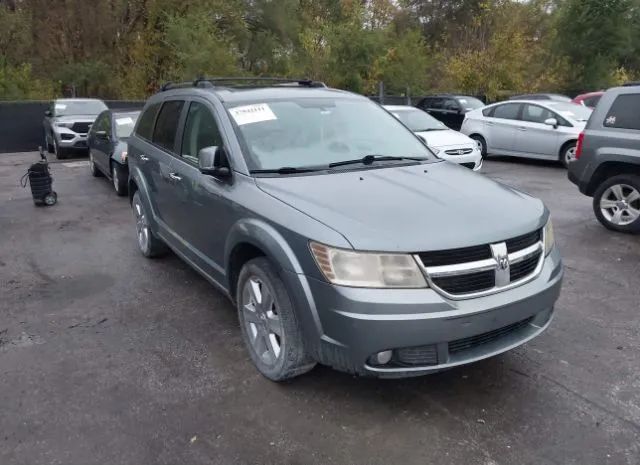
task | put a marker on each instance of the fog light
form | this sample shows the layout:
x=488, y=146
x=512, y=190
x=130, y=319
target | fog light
x=384, y=357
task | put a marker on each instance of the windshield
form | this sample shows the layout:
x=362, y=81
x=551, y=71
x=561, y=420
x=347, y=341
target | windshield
x=125, y=123
x=470, y=103
x=571, y=110
x=78, y=107
x=417, y=120
x=314, y=132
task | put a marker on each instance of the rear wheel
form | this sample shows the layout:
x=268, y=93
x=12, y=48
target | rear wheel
x=480, y=143
x=269, y=324
x=149, y=244
x=568, y=154
x=119, y=179
x=616, y=203
x=95, y=171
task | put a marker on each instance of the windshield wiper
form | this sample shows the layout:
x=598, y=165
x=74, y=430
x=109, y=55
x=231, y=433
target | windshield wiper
x=285, y=170
x=369, y=159
x=429, y=129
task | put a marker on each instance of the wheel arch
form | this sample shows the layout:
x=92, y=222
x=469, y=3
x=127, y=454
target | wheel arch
x=609, y=169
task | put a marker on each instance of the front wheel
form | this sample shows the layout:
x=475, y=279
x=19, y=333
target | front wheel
x=269, y=324
x=95, y=171
x=616, y=203
x=59, y=151
x=480, y=143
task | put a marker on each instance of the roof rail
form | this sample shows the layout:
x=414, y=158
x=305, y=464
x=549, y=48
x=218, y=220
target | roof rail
x=243, y=81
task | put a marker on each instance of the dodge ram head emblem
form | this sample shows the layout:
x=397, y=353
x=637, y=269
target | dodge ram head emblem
x=503, y=262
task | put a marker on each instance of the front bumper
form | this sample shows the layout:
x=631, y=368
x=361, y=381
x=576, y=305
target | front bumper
x=68, y=139
x=353, y=324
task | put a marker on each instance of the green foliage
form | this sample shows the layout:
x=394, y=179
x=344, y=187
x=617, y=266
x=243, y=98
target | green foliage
x=128, y=48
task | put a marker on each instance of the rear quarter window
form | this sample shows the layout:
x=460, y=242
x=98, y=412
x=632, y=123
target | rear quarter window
x=147, y=118
x=624, y=113
x=488, y=111
x=164, y=134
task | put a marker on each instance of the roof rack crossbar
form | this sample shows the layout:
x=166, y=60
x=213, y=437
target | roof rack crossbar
x=226, y=81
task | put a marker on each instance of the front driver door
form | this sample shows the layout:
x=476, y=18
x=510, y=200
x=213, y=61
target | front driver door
x=200, y=208
x=534, y=138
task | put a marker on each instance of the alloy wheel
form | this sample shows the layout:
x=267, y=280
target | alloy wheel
x=114, y=177
x=142, y=226
x=262, y=320
x=620, y=204
x=570, y=155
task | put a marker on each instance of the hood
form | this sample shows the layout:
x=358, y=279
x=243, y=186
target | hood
x=76, y=118
x=411, y=208
x=445, y=138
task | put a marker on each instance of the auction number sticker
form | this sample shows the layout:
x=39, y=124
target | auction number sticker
x=60, y=106
x=255, y=113
x=123, y=121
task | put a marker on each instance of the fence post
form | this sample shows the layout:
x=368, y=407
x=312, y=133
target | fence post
x=408, y=95
x=381, y=93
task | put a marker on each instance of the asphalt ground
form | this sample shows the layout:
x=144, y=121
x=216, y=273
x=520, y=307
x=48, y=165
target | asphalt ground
x=110, y=358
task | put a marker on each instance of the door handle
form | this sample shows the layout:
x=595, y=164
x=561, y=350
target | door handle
x=175, y=177
x=144, y=158
x=522, y=129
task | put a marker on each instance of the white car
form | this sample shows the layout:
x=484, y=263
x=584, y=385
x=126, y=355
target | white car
x=542, y=129
x=444, y=142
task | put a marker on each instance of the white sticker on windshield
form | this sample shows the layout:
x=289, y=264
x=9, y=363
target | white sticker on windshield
x=248, y=114
x=60, y=106
x=122, y=121
x=463, y=101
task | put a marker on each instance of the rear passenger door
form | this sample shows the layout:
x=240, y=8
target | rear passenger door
x=153, y=154
x=452, y=114
x=534, y=138
x=502, y=126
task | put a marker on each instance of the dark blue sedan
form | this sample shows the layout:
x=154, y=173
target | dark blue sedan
x=107, y=141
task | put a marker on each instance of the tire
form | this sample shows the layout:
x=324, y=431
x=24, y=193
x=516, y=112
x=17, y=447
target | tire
x=48, y=146
x=148, y=243
x=276, y=356
x=119, y=179
x=616, y=203
x=482, y=144
x=93, y=168
x=61, y=154
x=568, y=153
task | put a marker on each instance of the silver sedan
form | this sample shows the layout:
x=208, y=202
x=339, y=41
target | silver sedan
x=525, y=128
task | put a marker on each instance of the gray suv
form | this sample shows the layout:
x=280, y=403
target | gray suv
x=607, y=165
x=67, y=122
x=340, y=237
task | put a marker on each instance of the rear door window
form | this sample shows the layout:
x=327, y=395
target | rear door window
x=624, y=113
x=507, y=111
x=436, y=104
x=451, y=105
x=164, y=134
x=148, y=117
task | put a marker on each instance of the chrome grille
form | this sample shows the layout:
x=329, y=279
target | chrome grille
x=81, y=128
x=486, y=269
x=458, y=151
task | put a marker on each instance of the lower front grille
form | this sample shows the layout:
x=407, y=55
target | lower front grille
x=467, y=283
x=416, y=356
x=468, y=165
x=484, y=338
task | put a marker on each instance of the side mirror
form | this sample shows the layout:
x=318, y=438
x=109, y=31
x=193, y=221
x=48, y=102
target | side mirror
x=213, y=162
x=48, y=113
x=102, y=135
x=551, y=122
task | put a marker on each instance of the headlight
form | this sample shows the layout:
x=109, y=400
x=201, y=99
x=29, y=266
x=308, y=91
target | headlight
x=365, y=269
x=549, y=239
x=64, y=125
